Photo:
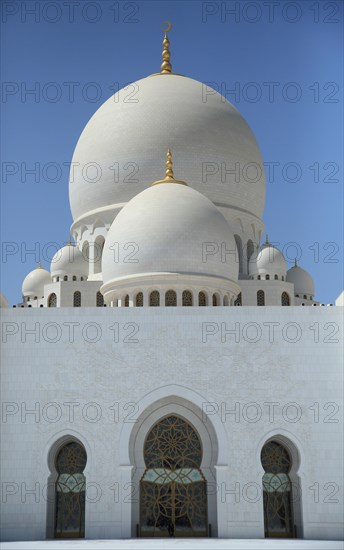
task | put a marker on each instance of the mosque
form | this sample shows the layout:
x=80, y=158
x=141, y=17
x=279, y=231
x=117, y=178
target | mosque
x=160, y=380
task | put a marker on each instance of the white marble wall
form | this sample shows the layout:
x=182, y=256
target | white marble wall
x=105, y=375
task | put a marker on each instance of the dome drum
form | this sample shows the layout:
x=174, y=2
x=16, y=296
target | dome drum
x=115, y=291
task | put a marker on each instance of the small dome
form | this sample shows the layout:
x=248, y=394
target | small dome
x=3, y=301
x=34, y=282
x=269, y=261
x=301, y=279
x=169, y=229
x=69, y=261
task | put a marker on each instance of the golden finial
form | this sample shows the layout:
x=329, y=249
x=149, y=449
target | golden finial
x=295, y=264
x=266, y=239
x=166, y=67
x=169, y=176
x=39, y=265
x=70, y=241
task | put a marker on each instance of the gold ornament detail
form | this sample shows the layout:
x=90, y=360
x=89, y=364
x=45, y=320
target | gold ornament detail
x=166, y=67
x=169, y=176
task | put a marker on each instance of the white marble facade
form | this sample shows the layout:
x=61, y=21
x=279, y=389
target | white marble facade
x=240, y=376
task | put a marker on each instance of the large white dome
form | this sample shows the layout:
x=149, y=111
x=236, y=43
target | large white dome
x=169, y=229
x=125, y=140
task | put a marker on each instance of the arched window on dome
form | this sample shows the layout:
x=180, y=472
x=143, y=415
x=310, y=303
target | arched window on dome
x=202, y=299
x=305, y=297
x=226, y=300
x=170, y=298
x=285, y=300
x=154, y=298
x=57, y=279
x=260, y=298
x=74, y=278
x=100, y=299
x=238, y=300
x=276, y=277
x=267, y=277
x=52, y=300
x=126, y=301
x=258, y=277
x=187, y=298
x=65, y=278
x=77, y=299
x=139, y=299
x=216, y=300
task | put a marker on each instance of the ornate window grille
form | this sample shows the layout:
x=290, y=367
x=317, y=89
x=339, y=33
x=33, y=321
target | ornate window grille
x=173, y=495
x=187, y=298
x=202, y=299
x=154, y=298
x=100, y=299
x=215, y=300
x=77, y=299
x=170, y=298
x=260, y=298
x=285, y=300
x=70, y=492
x=52, y=300
x=277, y=491
x=139, y=299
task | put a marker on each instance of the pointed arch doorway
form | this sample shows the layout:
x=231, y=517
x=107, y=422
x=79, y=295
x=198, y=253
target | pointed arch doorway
x=173, y=489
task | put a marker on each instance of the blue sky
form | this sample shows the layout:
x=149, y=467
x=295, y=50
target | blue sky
x=297, y=47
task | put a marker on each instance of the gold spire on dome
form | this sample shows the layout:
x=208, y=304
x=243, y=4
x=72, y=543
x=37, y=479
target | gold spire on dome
x=39, y=265
x=267, y=239
x=166, y=67
x=295, y=264
x=169, y=176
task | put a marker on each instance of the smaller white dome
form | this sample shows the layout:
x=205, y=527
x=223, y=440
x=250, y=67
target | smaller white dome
x=69, y=261
x=3, y=300
x=34, y=282
x=170, y=225
x=269, y=261
x=301, y=279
